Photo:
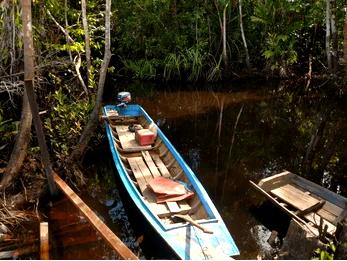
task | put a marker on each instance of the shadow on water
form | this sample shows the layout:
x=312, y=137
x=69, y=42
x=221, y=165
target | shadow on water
x=72, y=236
x=228, y=137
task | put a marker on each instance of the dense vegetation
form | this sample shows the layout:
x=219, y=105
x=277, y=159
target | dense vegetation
x=178, y=40
x=157, y=40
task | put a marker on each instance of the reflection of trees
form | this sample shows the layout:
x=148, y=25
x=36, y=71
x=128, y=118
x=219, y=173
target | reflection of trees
x=314, y=131
x=273, y=133
x=326, y=150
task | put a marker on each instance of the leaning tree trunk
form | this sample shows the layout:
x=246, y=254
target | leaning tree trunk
x=344, y=60
x=29, y=88
x=88, y=131
x=20, y=147
x=224, y=37
x=328, y=35
x=315, y=139
x=66, y=26
x=243, y=36
x=77, y=59
x=86, y=37
x=13, y=49
x=334, y=44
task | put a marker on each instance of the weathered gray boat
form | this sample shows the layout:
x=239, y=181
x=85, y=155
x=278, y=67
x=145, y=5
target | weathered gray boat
x=318, y=209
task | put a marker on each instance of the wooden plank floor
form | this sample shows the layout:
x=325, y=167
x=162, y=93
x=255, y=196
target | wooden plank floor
x=161, y=166
x=173, y=206
x=145, y=169
x=295, y=197
x=160, y=209
x=127, y=139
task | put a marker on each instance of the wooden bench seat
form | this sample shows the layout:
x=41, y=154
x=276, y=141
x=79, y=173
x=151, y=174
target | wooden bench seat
x=127, y=139
x=305, y=203
x=295, y=197
x=144, y=170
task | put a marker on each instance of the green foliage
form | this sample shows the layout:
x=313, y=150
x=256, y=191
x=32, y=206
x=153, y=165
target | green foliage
x=279, y=21
x=325, y=254
x=163, y=39
x=194, y=61
x=66, y=121
x=191, y=62
x=280, y=51
x=141, y=69
x=215, y=72
x=10, y=25
x=173, y=64
x=177, y=40
x=8, y=129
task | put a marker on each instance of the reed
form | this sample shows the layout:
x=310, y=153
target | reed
x=141, y=69
x=172, y=66
x=215, y=71
x=194, y=63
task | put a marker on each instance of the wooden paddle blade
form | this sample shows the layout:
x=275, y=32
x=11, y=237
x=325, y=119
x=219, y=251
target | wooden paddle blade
x=193, y=222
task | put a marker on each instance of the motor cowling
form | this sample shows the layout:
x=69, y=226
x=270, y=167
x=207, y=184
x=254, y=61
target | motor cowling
x=123, y=98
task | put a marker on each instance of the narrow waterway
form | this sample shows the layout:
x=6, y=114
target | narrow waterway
x=228, y=136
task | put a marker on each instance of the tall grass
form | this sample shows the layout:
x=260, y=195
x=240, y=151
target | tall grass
x=141, y=69
x=189, y=62
x=172, y=66
x=215, y=69
x=194, y=62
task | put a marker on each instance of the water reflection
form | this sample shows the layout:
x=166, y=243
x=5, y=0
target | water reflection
x=229, y=138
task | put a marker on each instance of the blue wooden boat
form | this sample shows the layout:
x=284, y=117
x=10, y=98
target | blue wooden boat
x=185, y=225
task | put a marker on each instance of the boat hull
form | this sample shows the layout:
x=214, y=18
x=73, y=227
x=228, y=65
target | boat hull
x=187, y=241
x=310, y=204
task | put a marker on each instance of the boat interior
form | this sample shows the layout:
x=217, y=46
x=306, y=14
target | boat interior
x=319, y=207
x=144, y=163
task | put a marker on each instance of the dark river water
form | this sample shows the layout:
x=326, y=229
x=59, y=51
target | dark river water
x=228, y=136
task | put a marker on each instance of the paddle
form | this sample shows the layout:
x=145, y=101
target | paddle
x=194, y=223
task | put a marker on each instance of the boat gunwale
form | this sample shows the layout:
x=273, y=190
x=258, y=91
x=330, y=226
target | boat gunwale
x=214, y=218
x=202, y=198
x=312, y=187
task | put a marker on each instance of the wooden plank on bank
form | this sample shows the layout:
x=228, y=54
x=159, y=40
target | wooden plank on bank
x=123, y=251
x=44, y=242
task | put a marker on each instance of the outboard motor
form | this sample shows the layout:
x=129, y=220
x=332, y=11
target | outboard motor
x=123, y=99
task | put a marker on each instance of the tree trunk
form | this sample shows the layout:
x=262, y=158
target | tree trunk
x=88, y=131
x=77, y=59
x=28, y=83
x=334, y=44
x=66, y=26
x=13, y=49
x=86, y=37
x=315, y=139
x=243, y=37
x=345, y=41
x=20, y=147
x=224, y=37
x=328, y=34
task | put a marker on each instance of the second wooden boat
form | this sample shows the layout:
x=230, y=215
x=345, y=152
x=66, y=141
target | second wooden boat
x=318, y=209
x=192, y=227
